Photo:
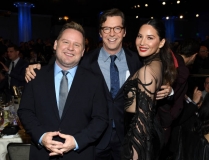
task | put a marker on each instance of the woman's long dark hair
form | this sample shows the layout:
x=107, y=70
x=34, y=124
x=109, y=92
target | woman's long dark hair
x=169, y=70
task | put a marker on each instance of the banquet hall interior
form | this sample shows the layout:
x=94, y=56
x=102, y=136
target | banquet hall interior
x=38, y=22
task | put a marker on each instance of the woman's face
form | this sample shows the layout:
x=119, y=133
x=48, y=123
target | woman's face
x=148, y=42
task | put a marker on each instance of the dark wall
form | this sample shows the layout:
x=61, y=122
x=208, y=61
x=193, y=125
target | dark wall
x=42, y=27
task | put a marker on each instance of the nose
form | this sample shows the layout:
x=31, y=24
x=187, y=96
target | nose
x=112, y=31
x=70, y=46
x=142, y=41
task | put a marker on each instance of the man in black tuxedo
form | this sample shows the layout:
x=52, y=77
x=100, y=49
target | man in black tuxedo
x=112, y=31
x=67, y=133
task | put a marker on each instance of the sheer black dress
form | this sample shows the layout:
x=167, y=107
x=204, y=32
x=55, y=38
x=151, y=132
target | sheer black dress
x=143, y=138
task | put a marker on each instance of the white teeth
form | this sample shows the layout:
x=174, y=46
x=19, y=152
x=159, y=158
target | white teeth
x=68, y=54
x=112, y=39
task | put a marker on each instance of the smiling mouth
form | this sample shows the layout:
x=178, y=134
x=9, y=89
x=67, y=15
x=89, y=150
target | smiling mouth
x=69, y=54
x=143, y=49
x=112, y=39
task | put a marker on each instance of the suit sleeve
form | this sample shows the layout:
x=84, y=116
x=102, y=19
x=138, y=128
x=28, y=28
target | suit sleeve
x=99, y=120
x=20, y=75
x=27, y=114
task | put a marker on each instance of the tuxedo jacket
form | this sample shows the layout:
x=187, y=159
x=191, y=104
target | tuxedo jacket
x=116, y=105
x=84, y=115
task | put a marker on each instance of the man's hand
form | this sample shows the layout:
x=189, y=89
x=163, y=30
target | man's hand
x=4, y=66
x=164, y=92
x=197, y=97
x=29, y=73
x=67, y=146
x=51, y=145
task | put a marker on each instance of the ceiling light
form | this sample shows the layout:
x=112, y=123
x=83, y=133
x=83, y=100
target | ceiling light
x=66, y=18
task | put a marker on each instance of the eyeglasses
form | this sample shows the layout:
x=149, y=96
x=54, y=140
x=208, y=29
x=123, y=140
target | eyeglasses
x=115, y=29
x=206, y=51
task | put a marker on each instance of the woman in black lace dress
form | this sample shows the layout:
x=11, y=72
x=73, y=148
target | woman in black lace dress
x=144, y=137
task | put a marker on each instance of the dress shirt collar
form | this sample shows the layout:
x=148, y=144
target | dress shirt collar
x=15, y=61
x=71, y=71
x=106, y=55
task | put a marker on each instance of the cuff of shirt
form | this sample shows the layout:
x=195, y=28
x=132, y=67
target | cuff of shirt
x=40, y=140
x=172, y=93
x=76, y=145
x=190, y=101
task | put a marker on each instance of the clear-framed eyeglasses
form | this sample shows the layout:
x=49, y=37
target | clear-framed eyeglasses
x=205, y=51
x=117, y=29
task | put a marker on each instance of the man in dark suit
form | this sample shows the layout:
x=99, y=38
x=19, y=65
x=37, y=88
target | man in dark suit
x=112, y=31
x=67, y=133
x=170, y=110
x=15, y=67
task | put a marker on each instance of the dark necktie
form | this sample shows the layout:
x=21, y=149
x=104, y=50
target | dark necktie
x=114, y=77
x=63, y=92
x=13, y=66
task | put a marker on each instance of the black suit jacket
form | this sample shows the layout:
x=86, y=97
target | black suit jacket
x=84, y=115
x=170, y=109
x=18, y=73
x=116, y=105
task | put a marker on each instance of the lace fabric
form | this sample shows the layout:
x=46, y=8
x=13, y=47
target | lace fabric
x=143, y=137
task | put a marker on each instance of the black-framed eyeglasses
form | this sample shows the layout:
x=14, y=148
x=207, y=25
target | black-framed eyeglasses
x=117, y=29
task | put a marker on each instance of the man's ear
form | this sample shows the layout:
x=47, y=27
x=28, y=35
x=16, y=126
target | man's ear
x=100, y=34
x=55, y=45
x=124, y=33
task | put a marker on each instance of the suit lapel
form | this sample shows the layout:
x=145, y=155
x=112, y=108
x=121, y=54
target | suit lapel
x=96, y=69
x=50, y=86
x=74, y=90
x=129, y=59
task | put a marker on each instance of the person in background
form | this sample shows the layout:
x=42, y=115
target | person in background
x=4, y=92
x=193, y=141
x=206, y=87
x=185, y=56
x=89, y=45
x=64, y=109
x=33, y=57
x=15, y=67
x=112, y=30
x=201, y=63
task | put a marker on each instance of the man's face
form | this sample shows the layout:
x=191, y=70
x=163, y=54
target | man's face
x=203, y=52
x=12, y=54
x=69, y=48
x=206, y=85
x=112, y=42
